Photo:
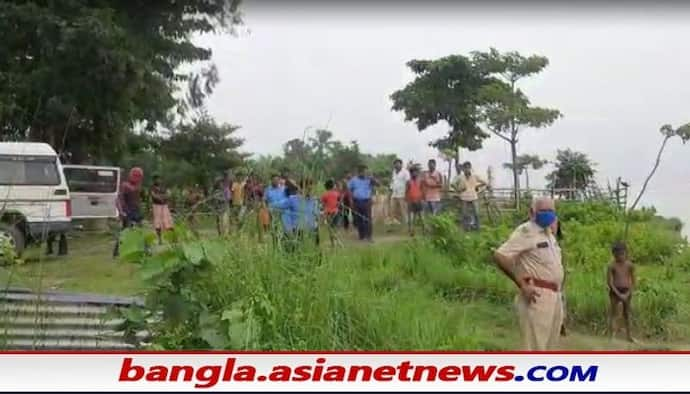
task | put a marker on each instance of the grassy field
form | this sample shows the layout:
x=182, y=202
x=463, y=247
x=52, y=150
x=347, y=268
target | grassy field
x=436, y=292
x=89, y=268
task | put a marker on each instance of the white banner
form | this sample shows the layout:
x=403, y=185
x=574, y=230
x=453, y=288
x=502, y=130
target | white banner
x=498, y=372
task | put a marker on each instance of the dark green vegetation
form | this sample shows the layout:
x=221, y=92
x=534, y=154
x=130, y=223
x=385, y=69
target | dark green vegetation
x=436, y=292
x=81, y=75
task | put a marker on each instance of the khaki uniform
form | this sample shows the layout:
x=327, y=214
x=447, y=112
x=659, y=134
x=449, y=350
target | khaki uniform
x=538, y=256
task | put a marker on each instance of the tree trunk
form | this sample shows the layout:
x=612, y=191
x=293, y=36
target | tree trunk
x=644, y=185
x=527, y=180
x=516, y=175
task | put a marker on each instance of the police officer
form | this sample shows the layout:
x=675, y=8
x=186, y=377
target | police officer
x=532, y=259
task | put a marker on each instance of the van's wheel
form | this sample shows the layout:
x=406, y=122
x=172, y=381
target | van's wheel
x=10, y=235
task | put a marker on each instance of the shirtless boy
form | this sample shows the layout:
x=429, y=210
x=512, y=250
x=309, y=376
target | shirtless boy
x=621, y=280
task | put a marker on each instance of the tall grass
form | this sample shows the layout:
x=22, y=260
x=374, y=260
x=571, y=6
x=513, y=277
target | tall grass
x=438, y=292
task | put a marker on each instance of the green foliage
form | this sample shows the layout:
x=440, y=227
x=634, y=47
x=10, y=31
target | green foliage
x=380, y=166
x=322, y=157
x=445, y=89
x=573, y=169
x=199, y=152
x=658, y=249
x=507, y=109
x=81, y=74
x=210, y=295
x=195, y=153
x=8, y=254
x=590, y=213
x=441, y=291
x=589, y=231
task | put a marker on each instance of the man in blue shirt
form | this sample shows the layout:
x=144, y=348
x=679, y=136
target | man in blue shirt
x=300, y=214
x=274, y=193
x=362, y=188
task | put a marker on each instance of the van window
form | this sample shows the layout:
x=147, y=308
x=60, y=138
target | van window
x=91, y=180
x=29, y=170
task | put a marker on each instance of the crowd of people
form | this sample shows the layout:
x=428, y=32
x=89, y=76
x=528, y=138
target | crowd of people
x=290, y=206
x=290, y=210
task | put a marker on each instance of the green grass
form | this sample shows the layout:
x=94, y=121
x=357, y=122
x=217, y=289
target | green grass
x=396, y=294
x=88, y=268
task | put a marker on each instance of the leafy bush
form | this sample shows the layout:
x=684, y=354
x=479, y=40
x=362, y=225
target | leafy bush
x=589, y=213
x=237, y=294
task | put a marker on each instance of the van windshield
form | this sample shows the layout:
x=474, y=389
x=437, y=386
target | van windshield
x=29, y=170
x=91, y=180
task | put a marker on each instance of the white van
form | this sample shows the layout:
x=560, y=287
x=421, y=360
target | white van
x=34, y=196
x=93, y=190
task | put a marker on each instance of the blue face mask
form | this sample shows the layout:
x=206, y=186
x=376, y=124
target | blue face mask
x=545, y=218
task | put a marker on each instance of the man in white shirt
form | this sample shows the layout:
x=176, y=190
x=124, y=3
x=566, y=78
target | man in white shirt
x=398, y=187
x=467, y=183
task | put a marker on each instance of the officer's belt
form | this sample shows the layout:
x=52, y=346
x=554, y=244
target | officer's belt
x=544, y=284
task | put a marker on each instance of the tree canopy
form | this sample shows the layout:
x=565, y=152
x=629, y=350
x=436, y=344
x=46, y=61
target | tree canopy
x=81, y=74
x=474, y=95
x=197, y=152
x=572, y=170
x=322, y=157
x=507, y=108
x=445, y=90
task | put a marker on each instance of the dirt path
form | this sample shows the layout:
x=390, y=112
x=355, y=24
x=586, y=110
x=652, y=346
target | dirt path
x=578, y=341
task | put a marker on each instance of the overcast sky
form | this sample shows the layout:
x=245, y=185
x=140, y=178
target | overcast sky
x=617, y=74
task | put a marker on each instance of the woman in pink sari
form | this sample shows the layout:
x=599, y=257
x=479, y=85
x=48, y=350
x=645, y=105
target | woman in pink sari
x=162, y=220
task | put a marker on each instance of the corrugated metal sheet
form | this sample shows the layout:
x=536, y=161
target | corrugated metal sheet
x=67, y=321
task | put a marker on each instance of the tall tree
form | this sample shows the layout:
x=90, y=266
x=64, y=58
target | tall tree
x=507, y=109
x=572, y=170
x=524, y=163
x=668, y=132
x=445, y=90
x=81, y=74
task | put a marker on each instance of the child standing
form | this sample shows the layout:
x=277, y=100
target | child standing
x=621, y=281
x=414, y=198
x=330, y=200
